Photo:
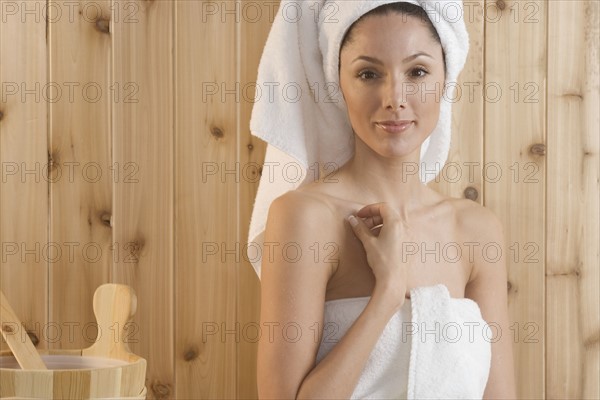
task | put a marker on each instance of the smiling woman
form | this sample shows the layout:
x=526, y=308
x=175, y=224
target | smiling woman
x=370, y=303
x=397, y=89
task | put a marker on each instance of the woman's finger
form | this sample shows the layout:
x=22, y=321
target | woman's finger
x=372, y=222
x=371, y=214
x=376, y=230
x=360, y=229
x=379, y=212
x=370, y=211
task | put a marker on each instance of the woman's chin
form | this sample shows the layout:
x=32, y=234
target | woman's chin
x=391, y=148
x=398, y=151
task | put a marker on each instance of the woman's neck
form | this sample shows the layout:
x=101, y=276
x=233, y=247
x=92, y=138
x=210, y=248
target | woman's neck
x=375, y=179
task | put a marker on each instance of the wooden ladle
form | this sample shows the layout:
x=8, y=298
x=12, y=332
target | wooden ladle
x=17, y=339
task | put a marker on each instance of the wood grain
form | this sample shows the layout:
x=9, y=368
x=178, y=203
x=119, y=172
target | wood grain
x=80, y=149
x=514, y=175
x=572, y=274
x=207, y=192
x=24, y=198
x=143, y=200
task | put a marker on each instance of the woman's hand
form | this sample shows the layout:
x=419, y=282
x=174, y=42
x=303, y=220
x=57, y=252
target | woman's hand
x=384, y=245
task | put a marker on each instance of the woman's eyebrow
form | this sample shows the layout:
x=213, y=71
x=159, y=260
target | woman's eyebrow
x=376, y=61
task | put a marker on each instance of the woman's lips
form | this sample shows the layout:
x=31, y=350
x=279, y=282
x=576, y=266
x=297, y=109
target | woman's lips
x=394, y=127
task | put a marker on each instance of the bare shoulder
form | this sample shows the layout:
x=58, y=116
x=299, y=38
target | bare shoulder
x=481, y=229
x=299, y=219
x=476, y=221
x=300, y=206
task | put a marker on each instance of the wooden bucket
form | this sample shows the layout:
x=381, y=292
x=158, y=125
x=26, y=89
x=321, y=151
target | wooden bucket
x=105, y=370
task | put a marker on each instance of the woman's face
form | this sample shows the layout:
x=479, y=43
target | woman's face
x=393, y=85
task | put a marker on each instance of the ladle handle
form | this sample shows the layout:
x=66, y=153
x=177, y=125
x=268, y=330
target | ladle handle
x=114, y=305
x=17, y=339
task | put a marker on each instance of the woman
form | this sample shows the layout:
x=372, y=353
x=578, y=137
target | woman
x=392, y=89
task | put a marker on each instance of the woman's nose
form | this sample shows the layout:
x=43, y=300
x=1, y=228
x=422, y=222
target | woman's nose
x=396, y=93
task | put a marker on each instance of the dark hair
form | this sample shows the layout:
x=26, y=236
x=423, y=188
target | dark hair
x=405, y=9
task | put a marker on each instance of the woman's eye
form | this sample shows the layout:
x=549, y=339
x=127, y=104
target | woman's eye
x=424, y=72
x=366, y=75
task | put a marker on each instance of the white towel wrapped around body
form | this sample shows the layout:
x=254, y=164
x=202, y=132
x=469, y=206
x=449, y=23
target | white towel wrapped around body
x=434, y=347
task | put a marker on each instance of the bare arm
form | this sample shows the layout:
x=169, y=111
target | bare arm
x=336, y=376
x=488, y=288
x=293, y=294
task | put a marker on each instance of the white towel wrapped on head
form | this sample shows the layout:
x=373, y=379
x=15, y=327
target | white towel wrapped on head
x=299, y=109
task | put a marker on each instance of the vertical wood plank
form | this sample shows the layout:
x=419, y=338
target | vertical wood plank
x=23, y=159
x=207, y=236
x=143, y=198
x=257, y=20
x=461, y=176
x=82, y=175
x=514, y=173
x=573, y=309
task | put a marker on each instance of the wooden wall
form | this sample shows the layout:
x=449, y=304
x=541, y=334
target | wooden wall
x=126, y=157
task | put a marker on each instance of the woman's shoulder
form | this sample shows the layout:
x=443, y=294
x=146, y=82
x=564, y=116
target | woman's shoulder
x=477, y=226
x=305, y=208
x=473, y=221
x=305, y=221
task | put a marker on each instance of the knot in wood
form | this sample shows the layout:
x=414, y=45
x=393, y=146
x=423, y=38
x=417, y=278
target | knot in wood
x=103, y=25
x=217, y=132
x=471, y=193
x=161, y=390
x=106, y=219
x=190, y=354
x=538, y=149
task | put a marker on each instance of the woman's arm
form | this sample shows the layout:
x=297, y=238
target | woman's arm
x=336, y=376
x=488, y=288
x=292, y=302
